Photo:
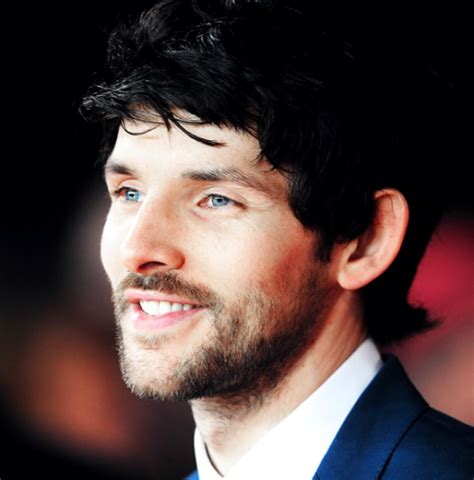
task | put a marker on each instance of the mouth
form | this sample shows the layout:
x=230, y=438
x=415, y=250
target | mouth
x=159, y=308
x=148, y=316
x=153, y=311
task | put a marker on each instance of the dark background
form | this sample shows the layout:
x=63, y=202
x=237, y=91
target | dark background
x=64, y=410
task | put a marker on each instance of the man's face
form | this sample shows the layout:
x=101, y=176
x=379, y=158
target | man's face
x=209, y=227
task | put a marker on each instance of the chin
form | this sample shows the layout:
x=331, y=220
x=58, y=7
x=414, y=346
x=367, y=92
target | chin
x=146, y=385
x=143, y=372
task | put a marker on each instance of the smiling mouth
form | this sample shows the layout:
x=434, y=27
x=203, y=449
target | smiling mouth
x=158, y=308
x=153, y=315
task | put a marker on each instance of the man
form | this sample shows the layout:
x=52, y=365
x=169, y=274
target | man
x=266, y=223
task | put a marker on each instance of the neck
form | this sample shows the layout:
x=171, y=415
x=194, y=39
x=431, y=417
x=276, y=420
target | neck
x=230, y=427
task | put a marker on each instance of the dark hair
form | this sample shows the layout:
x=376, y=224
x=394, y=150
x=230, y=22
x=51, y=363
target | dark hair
x=341, y=104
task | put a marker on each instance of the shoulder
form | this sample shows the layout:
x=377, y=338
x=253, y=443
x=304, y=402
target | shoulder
x=392, y=433
x=435, y=446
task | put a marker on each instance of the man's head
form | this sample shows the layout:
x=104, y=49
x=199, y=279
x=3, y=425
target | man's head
x=212, y=228
x=271, y=132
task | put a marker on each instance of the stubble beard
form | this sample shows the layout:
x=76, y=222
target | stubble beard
x=254, y=342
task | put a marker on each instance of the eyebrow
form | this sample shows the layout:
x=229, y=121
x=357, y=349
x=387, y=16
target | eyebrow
x=116, y=166
x=233, y=175
x=213, y=174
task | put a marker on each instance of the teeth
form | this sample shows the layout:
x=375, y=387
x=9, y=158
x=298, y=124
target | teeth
x=162, y=308
x=176, y=307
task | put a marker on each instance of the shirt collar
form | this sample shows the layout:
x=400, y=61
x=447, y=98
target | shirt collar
x=295, y=447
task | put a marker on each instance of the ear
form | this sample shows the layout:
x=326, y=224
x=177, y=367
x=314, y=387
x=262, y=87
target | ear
x=365, y=258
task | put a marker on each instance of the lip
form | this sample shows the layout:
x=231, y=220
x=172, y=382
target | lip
x=144, y=322
x=135, y=295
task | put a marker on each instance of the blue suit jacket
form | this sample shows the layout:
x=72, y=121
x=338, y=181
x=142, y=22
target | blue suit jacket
x=393, y=434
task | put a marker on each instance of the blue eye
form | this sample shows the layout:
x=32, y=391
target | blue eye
x=128, y=194
x=132, y=196
x=220, y=201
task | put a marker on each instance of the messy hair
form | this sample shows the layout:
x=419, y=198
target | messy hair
x=340, y=105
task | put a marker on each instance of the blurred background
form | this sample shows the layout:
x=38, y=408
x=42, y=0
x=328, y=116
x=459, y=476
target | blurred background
x=64, y=411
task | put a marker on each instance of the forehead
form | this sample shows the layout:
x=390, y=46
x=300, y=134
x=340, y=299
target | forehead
x=150, y=150
x=149, y=138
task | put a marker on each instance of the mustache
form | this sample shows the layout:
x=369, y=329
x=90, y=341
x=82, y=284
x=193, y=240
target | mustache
x=168, y=283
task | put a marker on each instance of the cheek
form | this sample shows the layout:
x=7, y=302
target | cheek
x=269, y=260
x=109, y=250
x=281, y=267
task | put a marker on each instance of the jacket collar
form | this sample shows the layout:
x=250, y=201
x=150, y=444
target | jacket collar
x=371, y=432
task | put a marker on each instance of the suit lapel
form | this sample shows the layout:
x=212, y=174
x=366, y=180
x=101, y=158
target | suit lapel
x=193, y=476
x=371, y=432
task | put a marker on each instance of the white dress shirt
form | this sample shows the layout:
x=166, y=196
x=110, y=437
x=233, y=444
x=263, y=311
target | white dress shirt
x=294, y=448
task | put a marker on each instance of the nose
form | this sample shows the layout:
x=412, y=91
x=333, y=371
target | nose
x=150, y=244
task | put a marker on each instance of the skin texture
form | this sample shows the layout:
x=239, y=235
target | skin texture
x=276, y=321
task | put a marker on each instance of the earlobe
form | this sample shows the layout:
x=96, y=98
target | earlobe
x=368, y=256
